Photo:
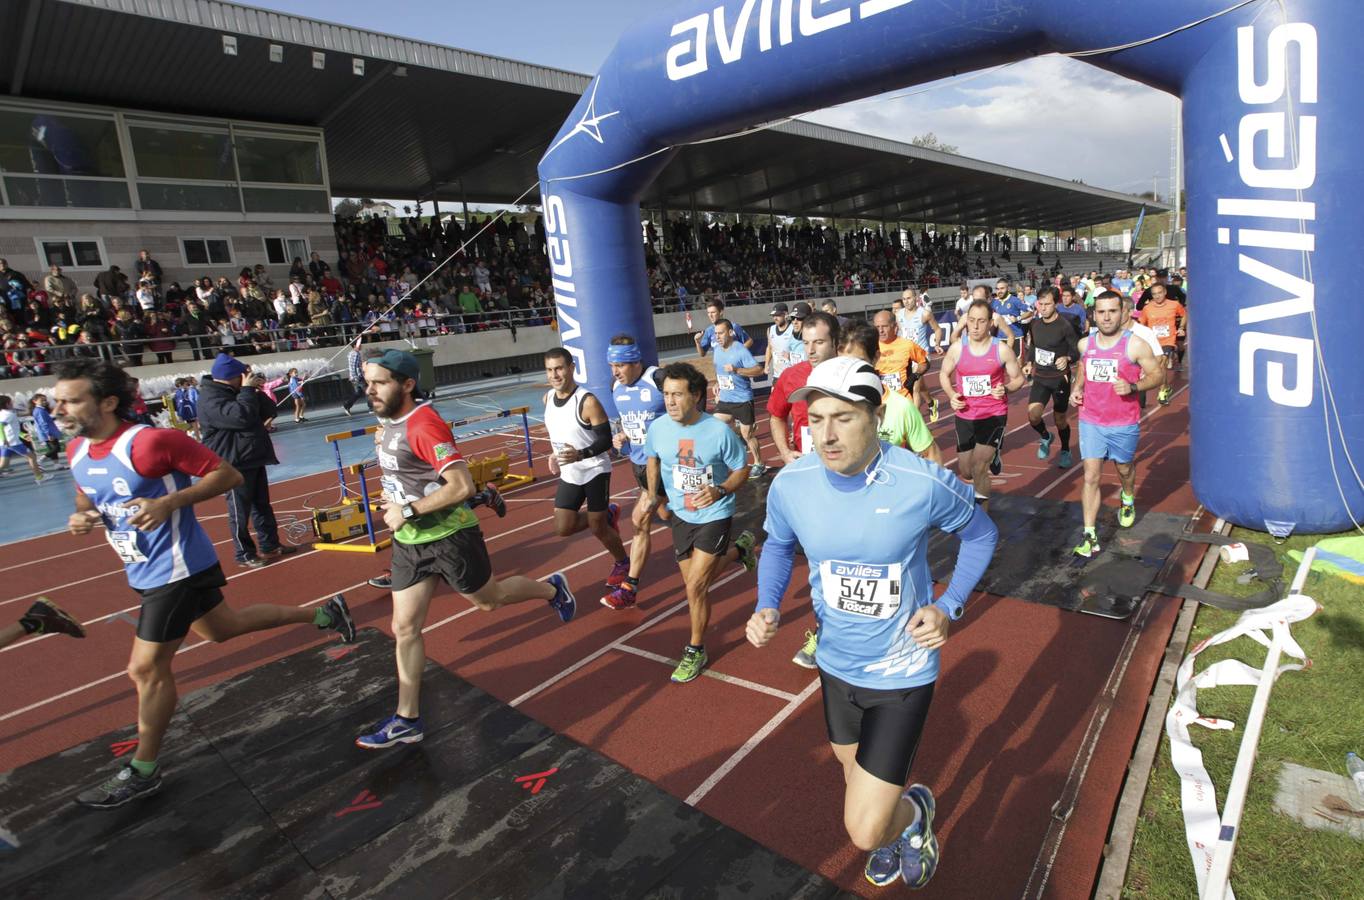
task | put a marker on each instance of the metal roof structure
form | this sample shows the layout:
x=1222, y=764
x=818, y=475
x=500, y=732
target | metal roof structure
x=421, y=120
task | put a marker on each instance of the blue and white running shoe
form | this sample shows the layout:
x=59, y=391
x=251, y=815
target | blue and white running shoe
x=883, y=865
x=918, y=846
x=562, y=601
x=391, y=732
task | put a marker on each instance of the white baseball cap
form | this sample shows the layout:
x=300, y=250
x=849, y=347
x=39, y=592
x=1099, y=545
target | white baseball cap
x=845, y=377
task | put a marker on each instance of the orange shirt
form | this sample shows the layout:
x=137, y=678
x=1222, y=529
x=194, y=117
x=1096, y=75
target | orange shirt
x=1162, y=320
x=896, y=364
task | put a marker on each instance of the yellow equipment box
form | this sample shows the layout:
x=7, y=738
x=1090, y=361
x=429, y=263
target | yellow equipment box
x=339, y=523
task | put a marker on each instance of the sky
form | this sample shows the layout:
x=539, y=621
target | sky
x=1050, y=114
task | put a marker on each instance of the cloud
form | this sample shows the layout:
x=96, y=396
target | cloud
x=1052, y=114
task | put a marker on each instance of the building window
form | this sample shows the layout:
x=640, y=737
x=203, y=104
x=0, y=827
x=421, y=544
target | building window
x=278, y=160
x=281, y=251
x=71, y=253
x=206, y=251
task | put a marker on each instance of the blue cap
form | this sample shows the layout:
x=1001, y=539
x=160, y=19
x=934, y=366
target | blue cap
x=225, y=367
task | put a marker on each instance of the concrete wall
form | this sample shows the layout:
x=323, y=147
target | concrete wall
x=122, y=240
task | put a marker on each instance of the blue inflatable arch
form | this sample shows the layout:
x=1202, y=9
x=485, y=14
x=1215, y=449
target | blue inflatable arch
x=1275, y=201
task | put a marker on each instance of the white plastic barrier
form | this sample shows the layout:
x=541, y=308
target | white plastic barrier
x=1211, y=838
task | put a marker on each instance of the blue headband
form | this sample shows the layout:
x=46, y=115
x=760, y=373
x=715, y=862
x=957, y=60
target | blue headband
x=623, y=353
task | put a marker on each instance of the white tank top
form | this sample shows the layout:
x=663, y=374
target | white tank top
x=567, y=429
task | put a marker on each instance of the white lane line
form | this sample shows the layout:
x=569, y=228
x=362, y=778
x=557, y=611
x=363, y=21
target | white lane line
x=1080, y=468
x=710, y=673
x=758, y=737
x=185, y=649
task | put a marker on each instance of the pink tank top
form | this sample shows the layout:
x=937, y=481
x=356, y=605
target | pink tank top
x=1103, y=369
x=975, y=376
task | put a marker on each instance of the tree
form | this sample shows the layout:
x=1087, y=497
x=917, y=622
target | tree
x=929, y=141
x=346, y=208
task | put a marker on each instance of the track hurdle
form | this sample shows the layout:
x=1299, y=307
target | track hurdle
x=354, y=516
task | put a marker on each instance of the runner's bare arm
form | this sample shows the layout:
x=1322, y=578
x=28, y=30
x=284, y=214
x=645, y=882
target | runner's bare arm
x=458, y=486
x=653, y=474
x=1152, y=371
x=154, y=511
x=1077, y=383
x=1011, y=369
x=949, y=365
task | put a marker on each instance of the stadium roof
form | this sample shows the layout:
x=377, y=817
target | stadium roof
x=426, y=120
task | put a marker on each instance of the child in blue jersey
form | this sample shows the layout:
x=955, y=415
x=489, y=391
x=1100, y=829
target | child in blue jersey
x=44, y=428
x=699, y=462
x=136, y=481
x=296, y=392
x=638, y=397
x=880, y=628
x=734, y=367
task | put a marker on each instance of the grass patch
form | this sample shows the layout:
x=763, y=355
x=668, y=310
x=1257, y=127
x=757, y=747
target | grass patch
x=1315, y=717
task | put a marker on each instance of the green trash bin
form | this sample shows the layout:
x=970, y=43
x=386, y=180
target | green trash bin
x=426, y=362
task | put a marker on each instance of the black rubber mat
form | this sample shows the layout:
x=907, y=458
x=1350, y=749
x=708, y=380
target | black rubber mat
x=266, y=794
x=1034, y=559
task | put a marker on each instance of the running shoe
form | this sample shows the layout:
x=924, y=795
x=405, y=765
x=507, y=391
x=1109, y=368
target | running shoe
x=621, y=597
x=1127, y=512
x=383, y=580
x=620, y=570
x=1164, y=395
x=747, y=557
x=756, y=470
x=562, y=601
x=883, y=865
x=254, y=562
x=1064, y=461
x=341, y=622
x=390, y=732
x=40, y=478
x=918, y=845
x=122, y=788
x=49, y=618
x=997, y=464
x=932, y=410
x=693, y=661
x=1088, y=547
x=493, y=498
x=1044, y=447
x=805, y=656
x=281, y=550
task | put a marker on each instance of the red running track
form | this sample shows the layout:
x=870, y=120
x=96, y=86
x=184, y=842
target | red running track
x=747, y=743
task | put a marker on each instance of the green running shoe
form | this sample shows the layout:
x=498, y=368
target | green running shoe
x=1127, y=512
x=805, y=656
x=1089, y=547
x=744, y=544
x=693, y=661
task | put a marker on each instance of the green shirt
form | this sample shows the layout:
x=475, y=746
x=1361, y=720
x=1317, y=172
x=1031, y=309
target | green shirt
x=902, y=425
x=468, y=302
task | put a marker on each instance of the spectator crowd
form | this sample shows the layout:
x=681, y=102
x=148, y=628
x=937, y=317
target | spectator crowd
x=378, y=286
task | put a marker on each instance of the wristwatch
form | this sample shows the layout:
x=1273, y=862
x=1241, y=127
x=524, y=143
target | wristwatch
x=408, y=512
x=720, y=489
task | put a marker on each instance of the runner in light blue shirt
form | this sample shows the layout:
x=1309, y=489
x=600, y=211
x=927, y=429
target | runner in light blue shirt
x=863, y=512
x=734, y=367
x=699, y=461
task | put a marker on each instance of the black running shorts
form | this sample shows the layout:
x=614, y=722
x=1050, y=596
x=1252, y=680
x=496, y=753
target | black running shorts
x=459, y=559
x=167, y=611
x=1057, y=390
x=987, y=431
x=708, y=537
x=885, y=725
x=596, y=492
x=740, y=412
x=642, y=479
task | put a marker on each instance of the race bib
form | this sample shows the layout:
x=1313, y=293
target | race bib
x=975, y=385
x=805, y=444
x=125, y=545
x=394, y=489
x=1044, y=357
x=634, y=432
x=1163, y=330
x=861, y=589
x=725, y=382
x=1105, y=370
x=692, y=479
x=891, y=381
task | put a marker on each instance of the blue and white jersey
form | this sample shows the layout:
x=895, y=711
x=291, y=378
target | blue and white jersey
x=1012, y=309
x=919, y=332
x=780, y=342
x=175, y=551
x=731, y=386
x=866, y=582
x=708, y=336
x=638, y=405
x=795, y=350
